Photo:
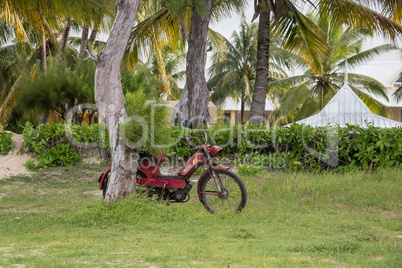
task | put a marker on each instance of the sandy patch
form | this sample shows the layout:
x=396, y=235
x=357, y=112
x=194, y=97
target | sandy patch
x=12, y=164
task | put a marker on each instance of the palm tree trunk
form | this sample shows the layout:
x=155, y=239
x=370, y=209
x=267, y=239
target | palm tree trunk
x=84, y=40
x=92, y=37
x=198, y=95
x=242, y=108
x=162, y=69
x=65, y=34
x=109, y=100
x=261, y=78
x=43, y=65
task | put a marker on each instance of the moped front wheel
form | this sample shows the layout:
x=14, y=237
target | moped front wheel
x=233, y=196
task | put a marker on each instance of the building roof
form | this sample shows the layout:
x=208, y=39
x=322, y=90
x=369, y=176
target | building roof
x=232, y=105
x=347, y=108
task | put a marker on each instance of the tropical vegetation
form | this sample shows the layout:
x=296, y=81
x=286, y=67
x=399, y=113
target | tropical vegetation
x=42, y=74
x=300, y=32
x=233, y=71
x=31, y=31
x=306, y=94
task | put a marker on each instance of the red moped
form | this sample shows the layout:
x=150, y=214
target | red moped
x=218, y=188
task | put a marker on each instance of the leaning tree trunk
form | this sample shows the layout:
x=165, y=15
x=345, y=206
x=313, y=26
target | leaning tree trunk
x=261, y=76
x=84, y=41
x=195, y=102
x=109, y=100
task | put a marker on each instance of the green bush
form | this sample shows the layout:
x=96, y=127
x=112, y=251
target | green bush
x=88, y=136
x=303, y=147
x=57, y=145
x=6, y=143
x=253, y=148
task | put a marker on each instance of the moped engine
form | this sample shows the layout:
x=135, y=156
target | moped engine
x=179, y=196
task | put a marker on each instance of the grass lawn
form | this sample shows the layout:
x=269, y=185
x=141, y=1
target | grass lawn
x=56, y=218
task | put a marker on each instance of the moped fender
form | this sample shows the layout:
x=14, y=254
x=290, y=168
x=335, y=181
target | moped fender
x=204, y=174
x=102, y=177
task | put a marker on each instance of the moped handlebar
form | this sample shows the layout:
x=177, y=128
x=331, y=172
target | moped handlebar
x=198, y=141
x=202, y=132
x=191, y=143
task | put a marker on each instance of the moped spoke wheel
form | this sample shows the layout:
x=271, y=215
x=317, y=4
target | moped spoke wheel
x=232, y=197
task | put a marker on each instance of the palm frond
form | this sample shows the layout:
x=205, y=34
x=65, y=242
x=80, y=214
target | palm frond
x=9, y=15
x=159, y=28
x=287, y=83
x=293, y=97
x=309, y=107
x=398, y=94
x=304, y=38
x=217, y=40
x=225, y=9
x=370, y=84
x=367, y=55
x=357, y=15
x=374, y=105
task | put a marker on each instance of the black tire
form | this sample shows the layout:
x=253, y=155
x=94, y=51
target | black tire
x=235, y=199
x=105, y=184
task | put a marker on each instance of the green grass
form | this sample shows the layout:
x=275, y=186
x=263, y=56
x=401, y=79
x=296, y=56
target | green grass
x=55, y=218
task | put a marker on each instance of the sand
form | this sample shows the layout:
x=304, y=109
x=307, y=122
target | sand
x=13, y=163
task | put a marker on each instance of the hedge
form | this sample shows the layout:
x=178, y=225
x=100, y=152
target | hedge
x=252, y=147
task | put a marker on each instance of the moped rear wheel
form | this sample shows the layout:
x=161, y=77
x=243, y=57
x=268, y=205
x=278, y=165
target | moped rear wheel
x=105, y=184
x=233, y=196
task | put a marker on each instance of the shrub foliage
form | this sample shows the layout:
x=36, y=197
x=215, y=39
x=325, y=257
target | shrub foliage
x=6, y=143
x=253, y=148
x=58, y=144
x=257, y=147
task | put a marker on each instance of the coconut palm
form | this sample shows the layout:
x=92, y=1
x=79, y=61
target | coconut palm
x=152, y=21
x=299, y=31
x=187, y=21
x=170, y=74
x=308, y=93
x=233, y=71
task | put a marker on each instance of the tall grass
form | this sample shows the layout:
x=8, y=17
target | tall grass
x=325, y=220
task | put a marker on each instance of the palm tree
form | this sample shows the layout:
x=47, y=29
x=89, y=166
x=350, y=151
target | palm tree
x=42, y=24
x=299, y=31
x=233, y=72
x=189, y=22
x=172, y=60
x=308, y=93
x=153, y=21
